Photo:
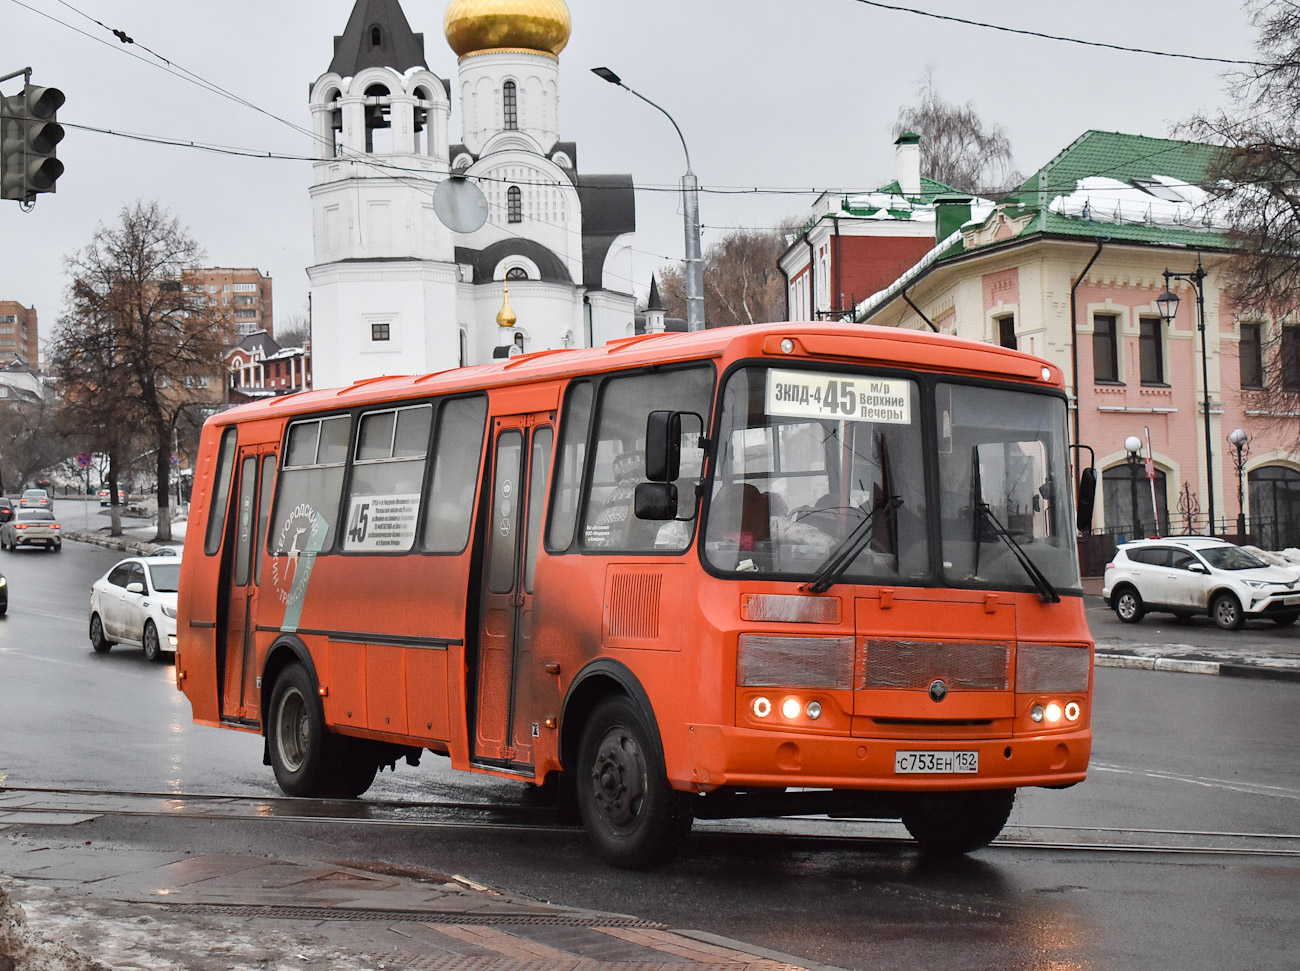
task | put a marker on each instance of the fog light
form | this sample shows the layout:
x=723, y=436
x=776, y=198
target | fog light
x=1072, y=711
x=762, y=707
x=1053, y=712
x=1036, y=713
x=790, y=708
x=814, y=710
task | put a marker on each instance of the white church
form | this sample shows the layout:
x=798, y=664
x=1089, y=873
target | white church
x=418, y=239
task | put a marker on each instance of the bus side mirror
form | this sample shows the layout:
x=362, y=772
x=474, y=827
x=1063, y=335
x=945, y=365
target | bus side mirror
x=1087, y=497
x=656, y=500
x=663, y=447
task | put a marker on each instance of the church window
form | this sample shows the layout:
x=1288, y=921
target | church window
x=510, y=105
x=514, y=205
x=516, y=273
x=376, y=36
x=379, y=332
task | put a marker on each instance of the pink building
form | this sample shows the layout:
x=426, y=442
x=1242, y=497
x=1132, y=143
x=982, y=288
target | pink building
x=1070, y=268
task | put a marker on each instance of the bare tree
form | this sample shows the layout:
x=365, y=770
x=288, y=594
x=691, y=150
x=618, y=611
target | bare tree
x=30, y=440
x=742, y=283
x=1255, y=188
x=957, y=147
x=295, y=331
x=134, y=340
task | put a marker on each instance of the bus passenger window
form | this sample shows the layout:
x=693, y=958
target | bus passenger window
x=568, y=470
x=220, y=494
x=456, y=461
x=384, y=497
x=311, y=486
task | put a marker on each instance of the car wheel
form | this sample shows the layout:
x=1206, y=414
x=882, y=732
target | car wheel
x=98, y=640
x=1285, y=619
x=1226, y=611
x=633, y=817
x=1128, y=606
x=57, y=546
x=4, y=608
x=953, y=823
x=152, y=650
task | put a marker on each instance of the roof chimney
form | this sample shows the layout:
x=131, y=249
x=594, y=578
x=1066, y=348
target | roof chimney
x=907, y=163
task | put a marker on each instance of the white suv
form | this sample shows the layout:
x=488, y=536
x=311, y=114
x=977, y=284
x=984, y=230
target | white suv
x=1194, y=575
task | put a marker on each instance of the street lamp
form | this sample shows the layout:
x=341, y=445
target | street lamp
x=1133, y=445
x=1168, y=304
x=690, y=215
x=1241, y=442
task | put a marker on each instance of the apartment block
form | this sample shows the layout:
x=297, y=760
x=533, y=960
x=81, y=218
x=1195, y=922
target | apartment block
x=243, y=293
x=18, y=333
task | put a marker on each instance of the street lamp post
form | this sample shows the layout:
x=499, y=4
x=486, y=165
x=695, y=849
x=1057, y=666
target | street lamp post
x=1240, y=441
x=690, y=214
x=1168, y=304
x=1133, y=445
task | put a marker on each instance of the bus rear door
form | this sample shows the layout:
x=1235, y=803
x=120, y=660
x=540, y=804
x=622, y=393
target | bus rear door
x=237, y=666
x=505, y=722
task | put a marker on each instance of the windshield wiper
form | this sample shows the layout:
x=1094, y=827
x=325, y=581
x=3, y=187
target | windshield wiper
x=1045, y=588
x=849, y=548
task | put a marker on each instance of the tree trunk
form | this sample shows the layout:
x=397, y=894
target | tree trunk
x=164, y=473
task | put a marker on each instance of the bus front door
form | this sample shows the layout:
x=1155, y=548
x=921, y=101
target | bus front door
x=238, y=668
x=505, y=716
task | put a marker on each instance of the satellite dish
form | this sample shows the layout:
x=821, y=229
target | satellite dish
x=460, y=204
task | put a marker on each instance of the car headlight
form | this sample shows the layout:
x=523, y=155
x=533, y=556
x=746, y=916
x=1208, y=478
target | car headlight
x=169, y=611
x=3, y=582
x=1257, y=584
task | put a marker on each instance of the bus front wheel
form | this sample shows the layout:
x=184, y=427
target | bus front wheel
x=953, y=823
x=296, y=736
x=634, y=819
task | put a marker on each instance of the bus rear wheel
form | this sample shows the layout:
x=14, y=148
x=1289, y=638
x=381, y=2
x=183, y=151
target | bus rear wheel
x=953, y=823
x=634, y=819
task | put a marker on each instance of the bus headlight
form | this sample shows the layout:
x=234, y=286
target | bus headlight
x=814, y=710
x=1052, y=712
x=790, y=708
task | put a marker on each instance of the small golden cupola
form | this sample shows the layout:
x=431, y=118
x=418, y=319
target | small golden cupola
x=474, y=26
x=505, y=316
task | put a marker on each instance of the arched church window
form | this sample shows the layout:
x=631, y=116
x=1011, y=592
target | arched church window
x=514, y=205
x=376, y=36
x=510, y=106
x=378, y=106
x=516, y=273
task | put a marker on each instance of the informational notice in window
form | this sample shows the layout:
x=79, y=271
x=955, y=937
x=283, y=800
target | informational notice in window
x=382, y=524
x=842, y=397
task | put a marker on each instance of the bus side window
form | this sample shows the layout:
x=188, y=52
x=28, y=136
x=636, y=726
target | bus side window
x=457, y=457
x=311, y=486
x=568, y=469
x=384, y=495
x=220, y=494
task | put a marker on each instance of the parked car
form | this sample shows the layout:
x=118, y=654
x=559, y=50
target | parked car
x=135, y=603
x=35, y=499
x=6, y=509
x=1195, y=575
x=4, y=595
x=32, y=527
x=104, y=496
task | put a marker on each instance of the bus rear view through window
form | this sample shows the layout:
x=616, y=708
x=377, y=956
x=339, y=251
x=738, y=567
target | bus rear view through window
x=783, y=569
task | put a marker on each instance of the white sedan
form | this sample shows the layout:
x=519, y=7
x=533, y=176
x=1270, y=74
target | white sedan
x=135, y=603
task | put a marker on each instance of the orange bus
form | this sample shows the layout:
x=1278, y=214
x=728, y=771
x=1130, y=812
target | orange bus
x=783, y=569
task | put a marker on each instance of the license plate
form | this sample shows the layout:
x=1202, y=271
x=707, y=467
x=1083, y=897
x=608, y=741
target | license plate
x=947, y=763
x=1291, y=601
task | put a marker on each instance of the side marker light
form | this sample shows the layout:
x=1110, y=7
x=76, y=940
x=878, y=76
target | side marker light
x=762, y=707
x=1072, y=711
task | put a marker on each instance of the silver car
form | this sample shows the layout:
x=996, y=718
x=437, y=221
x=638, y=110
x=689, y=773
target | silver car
x=32, y=527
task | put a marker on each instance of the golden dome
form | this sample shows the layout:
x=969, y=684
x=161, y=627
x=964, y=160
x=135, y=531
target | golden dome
x=506, y=316
x=483, y=25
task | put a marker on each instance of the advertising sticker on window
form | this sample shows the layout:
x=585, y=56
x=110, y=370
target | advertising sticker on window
x=382, y=524
x=842, y=397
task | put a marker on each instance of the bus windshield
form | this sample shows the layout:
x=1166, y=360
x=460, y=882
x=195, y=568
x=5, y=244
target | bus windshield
x=822, y=476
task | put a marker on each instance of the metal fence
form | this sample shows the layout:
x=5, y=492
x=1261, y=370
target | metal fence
x=1097, y=548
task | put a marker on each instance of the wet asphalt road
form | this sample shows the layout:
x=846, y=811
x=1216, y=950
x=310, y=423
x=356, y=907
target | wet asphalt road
x=1172, y=752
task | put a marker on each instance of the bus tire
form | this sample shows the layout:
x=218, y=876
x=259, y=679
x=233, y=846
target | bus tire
x=953, y=823
x=98, y=639
x=353, y=768
x=297, y=740
x=633, y=818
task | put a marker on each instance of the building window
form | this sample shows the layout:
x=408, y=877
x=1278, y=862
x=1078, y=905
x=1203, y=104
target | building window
x=514, y=205
x=376, y=36
x=1251, y=348
x=1151, y=350
x=245, y=288
x=510, y=106
x=379, y=332
x=8, y=319
x=1105, y=348
x=1007, y=332
x=516, y=273
x=1289, y=359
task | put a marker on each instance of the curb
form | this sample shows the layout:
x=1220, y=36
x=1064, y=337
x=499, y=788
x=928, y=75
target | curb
x=122, y=543
x=1227, y=669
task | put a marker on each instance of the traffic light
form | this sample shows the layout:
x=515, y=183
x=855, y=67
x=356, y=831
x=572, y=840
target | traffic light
x=29, y=136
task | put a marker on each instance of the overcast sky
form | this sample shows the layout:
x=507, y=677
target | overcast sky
x=788, y=94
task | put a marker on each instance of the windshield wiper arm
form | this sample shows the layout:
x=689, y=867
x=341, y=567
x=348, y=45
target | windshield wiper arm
x=1045, y=588
x=849, y=548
